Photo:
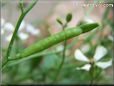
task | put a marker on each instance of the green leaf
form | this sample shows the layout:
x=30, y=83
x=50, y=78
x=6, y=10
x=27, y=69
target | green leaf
x=68, y=17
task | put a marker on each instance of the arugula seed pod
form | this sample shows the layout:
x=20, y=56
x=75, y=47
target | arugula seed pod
x=56, y=38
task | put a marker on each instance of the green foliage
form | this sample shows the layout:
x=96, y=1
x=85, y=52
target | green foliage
x=35, y=66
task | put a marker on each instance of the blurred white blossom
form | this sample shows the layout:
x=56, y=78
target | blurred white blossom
x=99, y=54
x=23, y=36
x=23, y=33
x=32, y=30
x=60, y=48
x=85, y=67
x=8, y=27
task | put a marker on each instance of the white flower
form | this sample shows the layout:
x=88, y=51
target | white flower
x=60, y=48
x=32, y=30
x=79, y=56
x=85, y=67
x=104, y=65
x=24, y=29
x=23, y=36
x=99, y=53
x=8, y=27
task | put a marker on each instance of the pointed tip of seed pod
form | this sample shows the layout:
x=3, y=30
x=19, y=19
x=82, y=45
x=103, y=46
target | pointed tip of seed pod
x=88, y=27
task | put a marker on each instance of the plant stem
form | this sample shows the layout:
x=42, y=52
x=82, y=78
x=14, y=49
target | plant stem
x=92, y=74
x=17, y=28
x=30, y=6
x=113, y=44
x=21, y=5
x=91, y=82
x=14, y=35
x=63, y=56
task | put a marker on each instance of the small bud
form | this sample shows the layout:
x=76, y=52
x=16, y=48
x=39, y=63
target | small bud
x=59, y=21
x=68, y=17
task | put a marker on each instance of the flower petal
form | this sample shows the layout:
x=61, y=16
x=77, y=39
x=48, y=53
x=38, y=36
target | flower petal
x=9, y=27
x=104, y=65
x=23, y=36
x=60, y=48
x=85, y=67
x=79, y=56
x=100, y=52
x=32, y=30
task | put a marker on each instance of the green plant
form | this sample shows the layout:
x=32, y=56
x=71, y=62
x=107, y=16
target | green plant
x=23, y=14
x=68, y=19
x=35, y=50
x=46, y=61
x=54, y=39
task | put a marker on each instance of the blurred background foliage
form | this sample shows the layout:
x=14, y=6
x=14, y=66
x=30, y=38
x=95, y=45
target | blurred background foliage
x=43, y=67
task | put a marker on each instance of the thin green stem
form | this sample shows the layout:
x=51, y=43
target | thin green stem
x=97, y=76
x=17, y=28
x=63, y=55
x=63, y=58
x=30, y=6
x=91, y=82
x=21, y=6
x=112, y=25
x=92, y=74
x=14, y=35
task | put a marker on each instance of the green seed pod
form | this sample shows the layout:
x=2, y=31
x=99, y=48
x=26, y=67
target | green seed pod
x=56, y=38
